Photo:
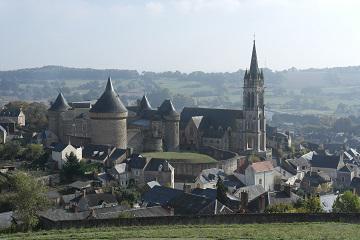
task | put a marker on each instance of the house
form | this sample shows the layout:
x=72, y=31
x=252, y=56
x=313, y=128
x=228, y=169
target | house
x=253, y=192
x=297, y=166
x=283, y=197
x=261, y=173
x=107, y=155
x=3, y=134
x=345, y=176
x=15, y=115
x=140, y=170
x=316, y=182
x=92, y=201
x=160, y=195
x=61, y=151
x=330, y=164
x=81, y=186
x=208, y=178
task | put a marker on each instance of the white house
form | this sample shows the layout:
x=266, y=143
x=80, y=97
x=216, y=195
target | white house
x=60, y=152
x=260, y=173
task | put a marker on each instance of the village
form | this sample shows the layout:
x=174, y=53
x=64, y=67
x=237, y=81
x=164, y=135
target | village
x=102, y=160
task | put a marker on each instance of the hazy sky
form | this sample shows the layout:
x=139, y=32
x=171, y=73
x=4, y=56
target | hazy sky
x=186, y=35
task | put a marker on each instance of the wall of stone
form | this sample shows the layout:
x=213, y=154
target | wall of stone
x=109, y=129
x=171, y=135
x=207, y=219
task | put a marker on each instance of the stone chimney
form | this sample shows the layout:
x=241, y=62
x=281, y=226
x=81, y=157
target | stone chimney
x=244, y=199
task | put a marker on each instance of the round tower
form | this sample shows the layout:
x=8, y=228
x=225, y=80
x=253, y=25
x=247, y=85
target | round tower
x=108, y=119
x=171, y=128
x=54, y=115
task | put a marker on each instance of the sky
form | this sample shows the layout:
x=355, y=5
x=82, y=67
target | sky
x=184, y=35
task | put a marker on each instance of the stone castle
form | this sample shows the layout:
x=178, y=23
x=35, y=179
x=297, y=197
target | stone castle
x=109, y=122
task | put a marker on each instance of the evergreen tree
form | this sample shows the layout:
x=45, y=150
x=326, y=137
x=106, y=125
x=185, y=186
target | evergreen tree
x=221, y=191
x=72, y=169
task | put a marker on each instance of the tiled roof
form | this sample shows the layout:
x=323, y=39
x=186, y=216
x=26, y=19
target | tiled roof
x=160, y=195
x=325, y=161
x=262, y=166
x=156, y=164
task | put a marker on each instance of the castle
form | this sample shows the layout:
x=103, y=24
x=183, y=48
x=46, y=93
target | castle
x=241, y=131
x=108, y=122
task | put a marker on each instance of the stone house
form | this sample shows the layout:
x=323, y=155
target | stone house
x=329, y=164
x=208, y=178
x=345, y=176
x=16, y=116
x=140, y=170
x=61, y=151
x=316, y=182
x=261, y=173
x=107, y=155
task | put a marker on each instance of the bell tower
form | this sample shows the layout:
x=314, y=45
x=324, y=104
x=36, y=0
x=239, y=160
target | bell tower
x=254, y=131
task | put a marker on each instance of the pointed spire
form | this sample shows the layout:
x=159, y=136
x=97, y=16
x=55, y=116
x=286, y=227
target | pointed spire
x=254, y=69
x=60, y=104
x=145, y=104
x=109, y=85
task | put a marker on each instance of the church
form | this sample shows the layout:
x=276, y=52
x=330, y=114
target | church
x=242, y=131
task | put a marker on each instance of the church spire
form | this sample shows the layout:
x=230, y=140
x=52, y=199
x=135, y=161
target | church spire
x=254, y=69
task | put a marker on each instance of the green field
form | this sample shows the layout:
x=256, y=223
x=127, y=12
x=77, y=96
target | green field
x=244, y=231
x=181, y=156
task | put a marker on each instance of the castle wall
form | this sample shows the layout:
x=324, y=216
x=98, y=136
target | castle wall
x=109, y=129
x=171, y=136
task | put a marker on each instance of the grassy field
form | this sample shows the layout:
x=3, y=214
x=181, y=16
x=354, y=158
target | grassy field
x=247, y=231
x=183, y=156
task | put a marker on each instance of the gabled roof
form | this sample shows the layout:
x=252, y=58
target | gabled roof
x=10, y=112
x=157, y=164
x=59, y=147
x=80, y=184
x=253, y=191
x=345, y=169
x=281, y=197
x=211, y=117
x=60, y=104
x=325, y=161
x=109, y=101
x=262, y=166
x=159, y=195
x=96, y=152
x=208, y=192
x=93, y=200
x=136, y=161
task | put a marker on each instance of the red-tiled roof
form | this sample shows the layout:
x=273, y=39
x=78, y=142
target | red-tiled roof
x=262, y=166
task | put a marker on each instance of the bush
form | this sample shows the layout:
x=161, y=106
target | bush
x=347, y=202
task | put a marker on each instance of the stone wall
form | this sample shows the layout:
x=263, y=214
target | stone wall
x=206, y=219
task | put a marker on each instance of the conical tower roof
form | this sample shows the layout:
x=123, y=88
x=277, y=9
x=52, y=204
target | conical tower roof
x=60, y=104
x=145, y=104
x=167, y=109
x=109, y=102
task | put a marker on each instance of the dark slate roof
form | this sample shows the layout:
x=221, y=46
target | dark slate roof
x=316, y=178
x=159, y=195
x=59, y=147
x=345, y=169
x=118, y=153
x=167, y=109
x=144, y=104
x=253, y=191
x=208, y=192
x=84, y=104
x=109, y=102
x=211, y=117
x=10, y=113
x=156, y=164
x=325, y=161
x=136, y=161
x=276, y=198
x=60, y=104
x=96, y=152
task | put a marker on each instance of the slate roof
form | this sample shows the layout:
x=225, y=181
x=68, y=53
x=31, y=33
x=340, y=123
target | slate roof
x=84, y=104
x=93, y=200
x=118, y=169
x=80, y=184
x=345, y=169
x=109, y=101
x=156, y=164
x=60, y=104
x=136, y=161
x=145, y=104
x=211, y=117
x=208, y=192
x=325, y=161
x=96, y=152
x=276, y=198
x=160, y=195
x=116, y=154
x=10, y=113
x=59, y=147
x=211, y=175
x=316, y=178
x=167, y=109
x=253, y=191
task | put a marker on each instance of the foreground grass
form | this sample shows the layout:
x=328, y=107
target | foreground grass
x=181, y=156
x=247, y=231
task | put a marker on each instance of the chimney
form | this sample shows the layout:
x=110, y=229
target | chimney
x=244, y=199
x=187, y=188
x=287, y=190
x=84, y=192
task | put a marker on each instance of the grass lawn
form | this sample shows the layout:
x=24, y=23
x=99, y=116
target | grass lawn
x=247, y=231
x=181, y=156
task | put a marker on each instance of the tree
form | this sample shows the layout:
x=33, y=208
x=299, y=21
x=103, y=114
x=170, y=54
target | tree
x=221, y=191
x=312, y=205
x=29, y=198
x=347, y=202
x=279, y=208
x=10, y=151
x=72, y=168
